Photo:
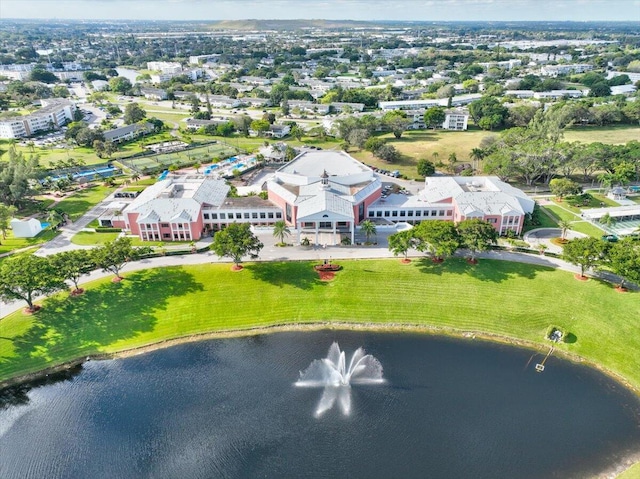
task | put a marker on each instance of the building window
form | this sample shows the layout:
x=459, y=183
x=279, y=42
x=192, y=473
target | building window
x=371, y=214
x=434, y=212
x=326, y=224
x=386, y=213
x=279, y=215
x=449, y=212
x=166, y=235
x=493, y=221
x=206, y=216
x=378, y=214
x=270, y=216
x=403, y=213
x=418, y=212
x=288, y=212
x=263, y=216
x=223, y=216
x=410, y=213
x=361, y=211
x=440, y=212
x=214, y=216
x=394, y=213
x=166, y=225
x=254, y=216
x=246, y=216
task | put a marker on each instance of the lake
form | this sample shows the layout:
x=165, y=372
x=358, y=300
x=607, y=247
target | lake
x=229, y=408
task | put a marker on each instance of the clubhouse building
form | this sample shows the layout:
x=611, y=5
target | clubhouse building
x=320, y=192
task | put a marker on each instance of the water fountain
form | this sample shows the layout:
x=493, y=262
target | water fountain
x=336, y=378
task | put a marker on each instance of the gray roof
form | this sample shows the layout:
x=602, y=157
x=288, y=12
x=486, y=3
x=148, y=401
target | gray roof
x=178, y=198
x=313, y=163
x=486, y=195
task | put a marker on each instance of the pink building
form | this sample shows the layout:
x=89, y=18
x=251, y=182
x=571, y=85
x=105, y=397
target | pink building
x=458, y=198
x=324, y=192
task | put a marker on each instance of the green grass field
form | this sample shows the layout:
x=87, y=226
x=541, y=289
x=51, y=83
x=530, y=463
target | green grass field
x=577, y=223
x=11, y=243
x=82, y=201
x=632, y=473
x=494, y=297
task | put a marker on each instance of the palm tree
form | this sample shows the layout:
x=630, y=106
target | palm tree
x=281, y=231
x=54, y=218
x=564, y=227
x=135, y=176
x=368, y=227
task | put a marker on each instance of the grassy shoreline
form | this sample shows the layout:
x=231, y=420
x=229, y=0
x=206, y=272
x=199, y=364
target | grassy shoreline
x=154, y=308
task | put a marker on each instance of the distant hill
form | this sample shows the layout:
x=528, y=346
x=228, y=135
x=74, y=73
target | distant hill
x=250, y=25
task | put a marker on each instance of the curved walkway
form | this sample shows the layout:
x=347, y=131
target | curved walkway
x=271, y=252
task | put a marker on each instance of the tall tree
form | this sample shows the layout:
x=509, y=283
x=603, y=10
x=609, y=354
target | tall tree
x=624, y=260
x=477, y=235
x=368, y=227
x=395, y=121
x=27, y=277
x=133, y=113
x=584, y=252
x=72, y=265
x=236, y=241
x=401, y=242
x=114, y=255
x=438, y=238
x=434, y=117
x=6, y=213
x=281, y=231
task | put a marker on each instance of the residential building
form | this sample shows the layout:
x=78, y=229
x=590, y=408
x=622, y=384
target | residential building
x=555, y=70
x=129, y=132
x=456, y=119
x=54, y=113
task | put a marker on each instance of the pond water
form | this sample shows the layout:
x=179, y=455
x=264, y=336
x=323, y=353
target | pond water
x=229, y=408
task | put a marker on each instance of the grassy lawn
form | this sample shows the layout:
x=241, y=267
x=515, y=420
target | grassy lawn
x=82, y=201
x=632, y=473
x=577, y=223
x=10, y=243
x=159, y=304
x=614, y=134
x=88, y=238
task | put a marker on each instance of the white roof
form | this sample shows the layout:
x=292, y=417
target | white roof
x=178, y=198
x=313, y=163
x=475, y=195
x=324, y=201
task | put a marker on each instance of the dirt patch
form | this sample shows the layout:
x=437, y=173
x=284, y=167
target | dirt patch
x=472, y=261
x=579, y=277
x=117, y=279
x=405, y=261
x=77, y=292
x=237, y=267
x=620, y=289
x=326, y=275
x=437, y=260
x=30, y=311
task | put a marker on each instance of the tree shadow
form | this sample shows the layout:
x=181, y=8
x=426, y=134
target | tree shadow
x=570, y=338
x=68, y=327
x=290, y=273
x=495, y=271
x=18, y=395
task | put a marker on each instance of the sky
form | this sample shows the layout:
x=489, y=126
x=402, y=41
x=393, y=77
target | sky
x=434, y=10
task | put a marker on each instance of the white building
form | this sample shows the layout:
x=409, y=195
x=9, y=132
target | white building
x=555, y=70
x=55, y=112
x=456, y=119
